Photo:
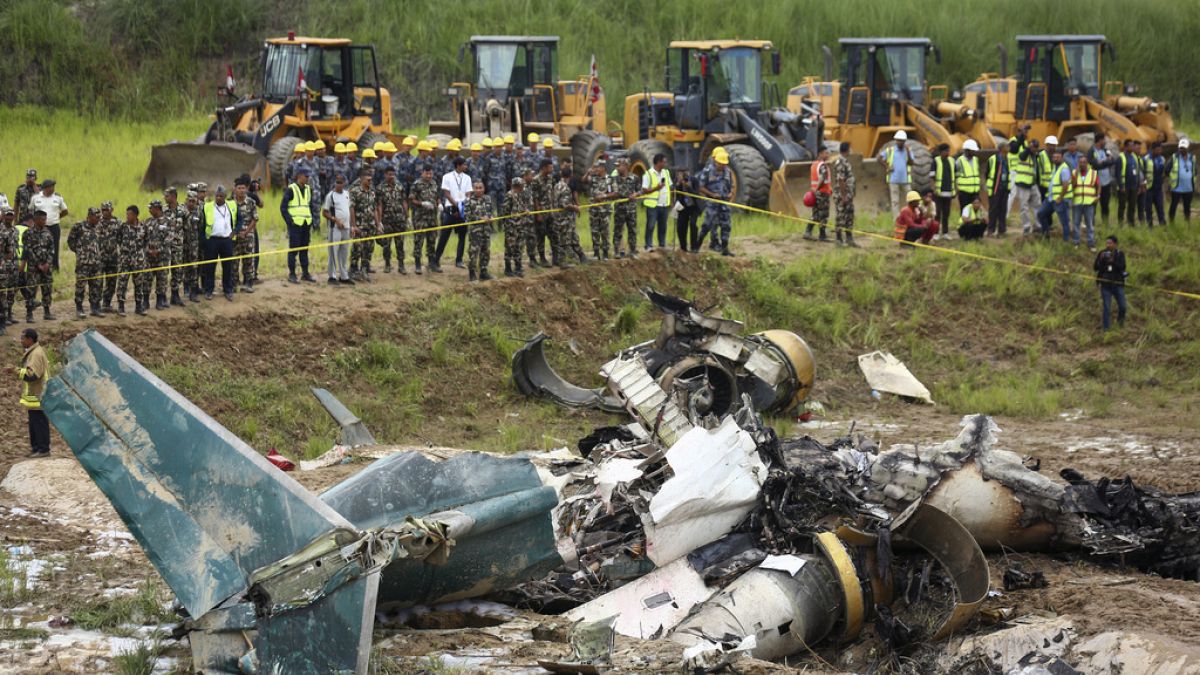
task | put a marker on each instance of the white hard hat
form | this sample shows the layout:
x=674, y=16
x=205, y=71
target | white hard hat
x=1052, y=140
x=970, y=144
x=1183, y=143
x=901, y=135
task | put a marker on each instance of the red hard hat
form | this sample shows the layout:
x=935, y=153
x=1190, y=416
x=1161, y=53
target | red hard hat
x=810, y=199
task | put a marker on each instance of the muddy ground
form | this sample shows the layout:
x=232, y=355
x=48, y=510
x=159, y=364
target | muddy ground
x=51, y=512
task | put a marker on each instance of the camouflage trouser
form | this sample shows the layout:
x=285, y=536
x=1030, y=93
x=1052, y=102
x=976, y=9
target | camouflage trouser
x=244, y=245
x=716, y=220
x=191, y=254
x=821, y=210
x=845, y=218
x=532, y=237
x=157, y=280
x=426, y=241
x=479, y=243
x=82, y=272
x=514, y=235
x=566, y=238
x=35, y=279
x=110, y=272
x=598, y=221
x=140, y=283
x=626, y=220
x=177, y=274
x=398, y=241
x=8, y=279
x=360, y=253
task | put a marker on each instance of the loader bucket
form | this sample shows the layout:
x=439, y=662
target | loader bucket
x=213, y=163
x=788, y=185
x=871, y=191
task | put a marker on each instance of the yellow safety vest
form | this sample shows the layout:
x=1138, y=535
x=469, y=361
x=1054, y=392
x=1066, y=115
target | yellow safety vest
x=1085, y=189
x=1173, y=175
x=210, y=209
x=1045, y=168
x=299, y=206
x=994, y=174
x=1060, y=187
x=1022, y=169
x=21, y=241
x=891, y=152
x=968, y=174
x=938, y=171
x=975, y=213
x=657, y=180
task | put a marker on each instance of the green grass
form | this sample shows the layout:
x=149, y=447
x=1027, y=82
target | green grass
x=138, y=661
x=147, y=606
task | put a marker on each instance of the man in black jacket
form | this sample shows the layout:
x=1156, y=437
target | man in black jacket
x=1110, y=276
x=1102, y=161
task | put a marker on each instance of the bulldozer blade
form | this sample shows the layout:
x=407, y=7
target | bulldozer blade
x=870, y=188
x=213, y=163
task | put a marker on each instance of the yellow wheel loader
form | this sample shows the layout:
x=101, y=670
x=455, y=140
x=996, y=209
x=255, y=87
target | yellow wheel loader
x=514, y=89
x=715, y=96
x=311, y=88
x=1059, y=90
x=883, y=90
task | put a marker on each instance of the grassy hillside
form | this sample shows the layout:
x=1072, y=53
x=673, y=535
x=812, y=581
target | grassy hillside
x=147, y=58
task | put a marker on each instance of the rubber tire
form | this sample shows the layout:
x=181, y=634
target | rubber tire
x=641, y=155
x=369, y=139
x=586, y=146
x=751, y=176
x=278, y=157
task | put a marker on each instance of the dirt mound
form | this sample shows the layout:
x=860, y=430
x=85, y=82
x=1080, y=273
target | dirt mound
x=60, y=487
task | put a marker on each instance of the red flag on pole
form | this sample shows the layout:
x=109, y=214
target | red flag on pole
x=594, y=83
x=301, y=85
x=229, y=82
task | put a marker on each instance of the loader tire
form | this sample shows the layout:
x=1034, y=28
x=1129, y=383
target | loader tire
x=278, y=158
x=751, y=176
x=641, y=155
x=369, y=139
x=586, y=147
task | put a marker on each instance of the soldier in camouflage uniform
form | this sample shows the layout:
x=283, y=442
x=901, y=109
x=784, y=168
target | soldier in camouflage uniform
x=8, y=264
x=84, y=241
x=543, y=195
x=243, y=242
x=566, y=236
x=479, y=209
x=626, y=185
x=191, y=244
x=522, y=162
x=424, y=199
x=821, y=187
x=24, y=195
x=110, y=259
x=178, y=216
x=37, y=262
x=364, y=222
x=517, y=227
x=133, y=258
x=158, y=254
x=395, y=219
x=843, y=194
x=498, y=180
x=716, y=181
x=600, y=189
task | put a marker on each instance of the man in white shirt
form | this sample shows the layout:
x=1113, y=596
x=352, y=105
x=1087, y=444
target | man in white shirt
x=55, y=207
x=336, y=210
x=217, y=220
x=456, y=186
x=656, y=184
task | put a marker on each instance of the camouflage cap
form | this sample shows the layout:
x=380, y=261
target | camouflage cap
x=517, y=182
x=31, y=173
x=156, y=202
x=7, y=211
x=170, y=190
x=192, y=194
x=93, y=211
x=201, y=187
x=106, y=205
x=192, y=187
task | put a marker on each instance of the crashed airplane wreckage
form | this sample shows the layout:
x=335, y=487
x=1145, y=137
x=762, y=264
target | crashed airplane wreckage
x=703, y=361
x=706, y=531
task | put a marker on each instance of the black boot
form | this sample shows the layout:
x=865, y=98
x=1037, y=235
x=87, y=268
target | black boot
x=823, y=236
x=850, y=240
x=471, y=274
x=518, y=272
x=400, y=267
x=79, y=313
x=96, y=309
x=175, y=299
x=29, y=316
x=46, y=314
x=193, y=296
x=120, y=308
x=508, y=268
x=484, y=276
x=418, y=267
x=160, y=301
x=808, y=231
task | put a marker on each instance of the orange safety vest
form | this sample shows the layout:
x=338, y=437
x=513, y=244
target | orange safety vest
x=818, y=185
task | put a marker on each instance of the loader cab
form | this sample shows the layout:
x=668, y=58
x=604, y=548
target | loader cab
x=1054, y=70
x=707, y=77
x=879, y=72
x=341, y=79
x=516, y=67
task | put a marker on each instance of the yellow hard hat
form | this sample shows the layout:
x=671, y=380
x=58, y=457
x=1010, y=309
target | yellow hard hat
x=454, y=145
x=339, y=148
x=378, y=145
x=486, y=142
x=390, y=147
x=533, y=138
x=409, y=141
x=548, y=143
x=476, y=147
x=300, y=147
x=318, y=144
x=432, y=143
x=509, y=140
x=423, y=146
x=352, y=147
x=369, y=153
x=913, y=196
x=720, y=157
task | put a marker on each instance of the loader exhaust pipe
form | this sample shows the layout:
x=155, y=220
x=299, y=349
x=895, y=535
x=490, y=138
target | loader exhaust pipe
x=1003, y=59
x=828, y=54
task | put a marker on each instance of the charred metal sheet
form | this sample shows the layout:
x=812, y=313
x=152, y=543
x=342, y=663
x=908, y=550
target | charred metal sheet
x=956, y=550
x=498, y=511
x=533, y=376
x=354, y=432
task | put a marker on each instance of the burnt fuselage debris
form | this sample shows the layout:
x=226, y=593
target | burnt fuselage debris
x=692, y=523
